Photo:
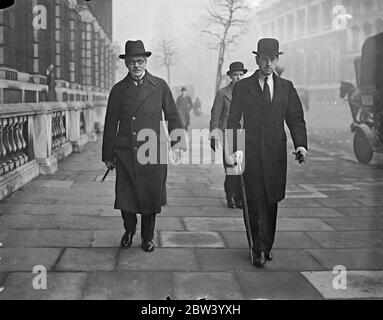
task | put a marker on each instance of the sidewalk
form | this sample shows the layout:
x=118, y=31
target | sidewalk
x=333, y=215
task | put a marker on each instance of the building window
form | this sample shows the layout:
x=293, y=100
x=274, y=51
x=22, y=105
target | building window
x=301, y=21
x=355, y=38
x=272, y=28
x=291, y=24
x=367, y=29
x=265, y=29
x=314, y=18
x=327, y=14
x=281, y=28
x=379, y=25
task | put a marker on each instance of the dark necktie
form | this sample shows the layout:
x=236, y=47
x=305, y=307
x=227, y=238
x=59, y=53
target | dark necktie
x=266, y=91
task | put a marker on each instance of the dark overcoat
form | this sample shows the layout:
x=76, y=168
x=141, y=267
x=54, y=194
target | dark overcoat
x=184, y=105
x=265, y=153
x=140, y=187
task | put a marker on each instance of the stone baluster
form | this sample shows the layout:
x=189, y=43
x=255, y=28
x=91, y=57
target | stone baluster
x=16, y=139
x=20, y=126
x=3, y=164
x=54, y=130
x=12, y=142
x=62, y=127
x=7, y=145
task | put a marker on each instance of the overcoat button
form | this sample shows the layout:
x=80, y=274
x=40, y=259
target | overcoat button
x=133, y=118
x=134, y=133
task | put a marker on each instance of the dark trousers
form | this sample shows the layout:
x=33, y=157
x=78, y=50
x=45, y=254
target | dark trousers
x=263, y=222
x=147, y=224
x=232, y=187
x=232, y=183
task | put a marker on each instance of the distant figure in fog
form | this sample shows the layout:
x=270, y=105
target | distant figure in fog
x=51, y=83
x=197, y=107
x=184, y=105
x=218, y=120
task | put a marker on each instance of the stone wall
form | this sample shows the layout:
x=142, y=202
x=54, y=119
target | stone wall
x=35, y=136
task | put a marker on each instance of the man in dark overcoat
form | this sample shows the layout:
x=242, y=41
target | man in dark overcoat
x=184, y=105
x=133, y=126
x=218, y=120
x=266, y=102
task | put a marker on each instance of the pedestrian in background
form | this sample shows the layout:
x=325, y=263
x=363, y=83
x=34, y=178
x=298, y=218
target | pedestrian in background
x=184, y=105
x=218, y=120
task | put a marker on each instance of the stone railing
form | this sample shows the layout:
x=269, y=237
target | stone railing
x=35, y=136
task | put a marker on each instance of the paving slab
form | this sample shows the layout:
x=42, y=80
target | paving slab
x=124, y=285
x=208, y=285
x=337, y=203
x=94, y=259
x=362, y=212
x=54, y=209
x=348, y=239
x=358, y=285
x=112, y=238
x=302, y=224
x=161, y=259
x=213, y=224
x=25, y=259
x=365, y=223
x=47, y=238
x=299, y=203
x=186, y=239
x=40, y=183
x=308, y=212
x=352, y=259
x=230, y=260
x=194, y=202
x=60, y=286
x=283, y=240
x=276, y=286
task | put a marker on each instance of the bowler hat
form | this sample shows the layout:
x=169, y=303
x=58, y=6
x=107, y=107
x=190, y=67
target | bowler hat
x=134, y=48
x=268, y=47
x=236, y=66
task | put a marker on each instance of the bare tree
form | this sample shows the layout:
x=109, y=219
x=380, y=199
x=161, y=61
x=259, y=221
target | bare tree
x=166, y=54
x=225, y=21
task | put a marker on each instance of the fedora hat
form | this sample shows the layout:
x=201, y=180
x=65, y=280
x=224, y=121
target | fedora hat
x=236, y=66
x=268, y=47
x=134, y=48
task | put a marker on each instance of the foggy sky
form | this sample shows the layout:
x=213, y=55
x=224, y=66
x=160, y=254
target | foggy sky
x=196, y=65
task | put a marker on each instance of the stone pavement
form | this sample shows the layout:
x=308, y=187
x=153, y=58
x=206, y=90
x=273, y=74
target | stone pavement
x=333, y=215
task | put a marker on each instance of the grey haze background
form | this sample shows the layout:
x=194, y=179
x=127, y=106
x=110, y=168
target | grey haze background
x=196, y=65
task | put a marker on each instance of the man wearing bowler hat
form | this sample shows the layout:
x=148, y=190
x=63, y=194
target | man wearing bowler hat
x=135, y=106
x=266, y=102
x=218, y=120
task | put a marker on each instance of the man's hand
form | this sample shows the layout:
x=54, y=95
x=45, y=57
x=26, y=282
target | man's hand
x=300, y=154
x=110, y=165
x=177, y=155
x=235, y=159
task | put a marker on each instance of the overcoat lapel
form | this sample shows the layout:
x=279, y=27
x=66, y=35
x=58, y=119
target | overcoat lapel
x=148, y=86
x=228, y=93
x=256, y=91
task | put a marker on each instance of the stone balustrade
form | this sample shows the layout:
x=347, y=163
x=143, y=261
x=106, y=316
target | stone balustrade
x=35, y=136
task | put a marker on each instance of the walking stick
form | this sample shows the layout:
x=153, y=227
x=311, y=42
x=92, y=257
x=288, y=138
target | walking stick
x=246, y=218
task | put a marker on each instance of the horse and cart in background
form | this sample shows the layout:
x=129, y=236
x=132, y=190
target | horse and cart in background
x=366, y=100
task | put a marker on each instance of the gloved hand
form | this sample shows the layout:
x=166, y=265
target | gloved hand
x=301, y=154
x=110, y=165
x=177, y=155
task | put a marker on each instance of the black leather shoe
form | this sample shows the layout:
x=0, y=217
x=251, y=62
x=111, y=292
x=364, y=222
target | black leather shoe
x=259, y=261
x=269, y=256
x=230, y=203
x=148, y=245
x=127, y=239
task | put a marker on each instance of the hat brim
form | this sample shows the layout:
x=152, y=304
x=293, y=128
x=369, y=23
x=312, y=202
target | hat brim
x=274, y=54
x=147, y=54
x=244, y=71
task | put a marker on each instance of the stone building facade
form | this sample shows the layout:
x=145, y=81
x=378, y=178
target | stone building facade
x=319, y=48
x=75, y=36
